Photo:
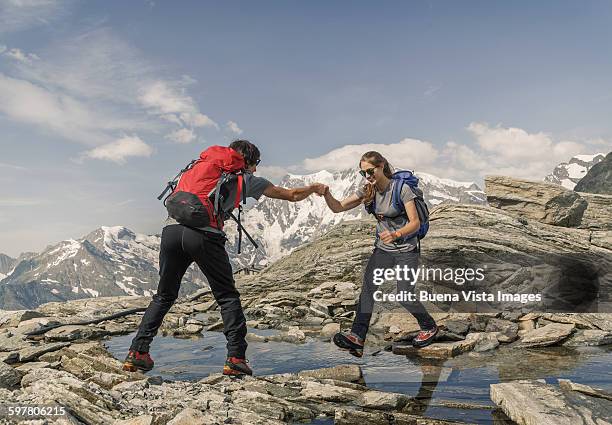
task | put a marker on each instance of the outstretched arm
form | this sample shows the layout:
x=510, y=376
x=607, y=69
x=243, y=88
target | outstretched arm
x=344, y=205
x=292, y=195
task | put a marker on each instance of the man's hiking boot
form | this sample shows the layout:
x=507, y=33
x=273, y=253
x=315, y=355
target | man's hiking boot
x=424, y=338
x=136, y=361
x=236, y=367
x=349, y=341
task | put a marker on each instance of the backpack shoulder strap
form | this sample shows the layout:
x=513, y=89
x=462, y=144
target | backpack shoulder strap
x=396, y=195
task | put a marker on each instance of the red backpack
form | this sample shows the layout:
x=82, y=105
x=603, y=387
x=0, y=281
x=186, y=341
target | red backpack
x=200, y=189
x=197, y=199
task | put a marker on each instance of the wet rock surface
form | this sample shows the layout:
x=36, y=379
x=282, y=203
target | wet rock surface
x=535, y=402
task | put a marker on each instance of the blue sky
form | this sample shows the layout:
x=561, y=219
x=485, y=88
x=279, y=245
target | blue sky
x=101, y=101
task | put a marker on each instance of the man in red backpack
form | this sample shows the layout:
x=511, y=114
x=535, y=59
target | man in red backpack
x=194, y=232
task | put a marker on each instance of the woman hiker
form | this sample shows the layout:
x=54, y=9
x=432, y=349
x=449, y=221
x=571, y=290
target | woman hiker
x=396, y=244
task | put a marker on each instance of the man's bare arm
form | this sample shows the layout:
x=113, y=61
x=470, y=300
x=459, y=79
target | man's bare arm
x=292, y=195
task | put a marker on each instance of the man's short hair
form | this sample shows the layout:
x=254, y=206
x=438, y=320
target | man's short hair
x=248, y=150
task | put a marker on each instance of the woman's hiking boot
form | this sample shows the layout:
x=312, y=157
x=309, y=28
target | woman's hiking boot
x=424, y=338
x=136, y=361
x=349, y=341
x=236, y=367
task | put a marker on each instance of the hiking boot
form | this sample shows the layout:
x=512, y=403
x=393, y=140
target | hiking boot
x=136, y=361
x=236, y=367
x=349, y=341
x=424, y=338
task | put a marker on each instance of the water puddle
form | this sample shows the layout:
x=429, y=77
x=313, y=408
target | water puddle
x=441, y=385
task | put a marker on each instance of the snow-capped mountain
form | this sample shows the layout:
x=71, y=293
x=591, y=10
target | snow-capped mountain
x=280, y=226
x=567, y=174
x=6, y=265
x=116, y=261
x=109, y=261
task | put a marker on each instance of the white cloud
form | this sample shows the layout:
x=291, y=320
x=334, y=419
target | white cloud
x=19, y=202
x=514, y=151
x=94, y=86
x=405, y=153
x=496, y=150
x=160, y=98
x=170, y=101
x=182, y=135
x=21, y=56
x=17, y=15
x=73, y=119
x=12, y=166
x=272, y=171
x=233, y=127
x=198, y=120
x=431, y=91
x=2, y=48
x=120, y=149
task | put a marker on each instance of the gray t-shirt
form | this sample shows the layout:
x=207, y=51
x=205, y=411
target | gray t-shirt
x=255, y=187
x=389, y=217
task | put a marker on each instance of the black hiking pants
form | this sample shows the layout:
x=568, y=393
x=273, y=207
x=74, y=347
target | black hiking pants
x=382, y=259
x=181, y=246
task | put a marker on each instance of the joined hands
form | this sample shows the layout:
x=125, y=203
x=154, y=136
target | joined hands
x=320, y=188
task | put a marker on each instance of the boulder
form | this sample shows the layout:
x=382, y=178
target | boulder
x=139, y=420
x=86, y=400
x=9, y=376
x=32, y=353
x=440, y=350
x=507, y=330
x=351, y=417
x=487, y=342
x=12, y=342
x=381, y=400
x=9, y=319
x=567, y=385
x=547, y=335
x=348, y=373
x=598, y=214
x=327, y=392
x=74, y=332
x=589, y=337
x=330, y=330
x=192, y=417
x=270, y=406
x=547, y=203
x=534, y=402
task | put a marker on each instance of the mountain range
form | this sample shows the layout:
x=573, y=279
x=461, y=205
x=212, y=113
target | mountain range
x=567, y=174
x=282, y=226
x=116, y=261
x=108, y=261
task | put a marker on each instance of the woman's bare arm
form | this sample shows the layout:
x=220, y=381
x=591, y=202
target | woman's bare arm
x=344, y=205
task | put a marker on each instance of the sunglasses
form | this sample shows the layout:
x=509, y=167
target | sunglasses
x=369, y=171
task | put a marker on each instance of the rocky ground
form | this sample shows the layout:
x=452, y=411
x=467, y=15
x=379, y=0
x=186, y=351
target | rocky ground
x=52, y=355
x=68, y=366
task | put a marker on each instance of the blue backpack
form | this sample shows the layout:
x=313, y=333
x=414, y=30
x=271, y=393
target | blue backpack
x=407, y=177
